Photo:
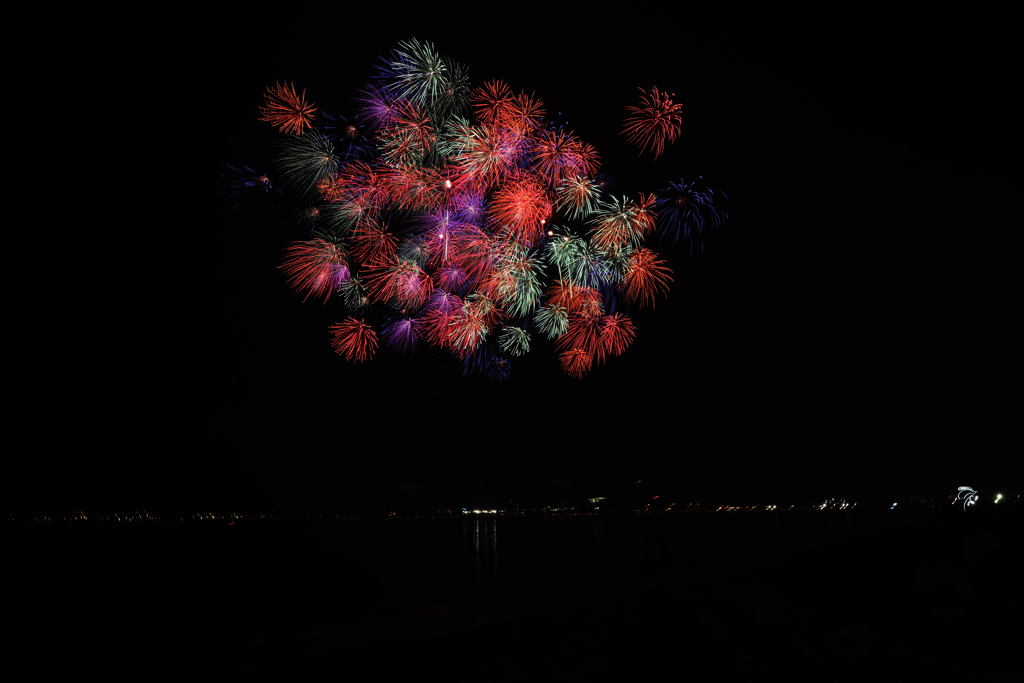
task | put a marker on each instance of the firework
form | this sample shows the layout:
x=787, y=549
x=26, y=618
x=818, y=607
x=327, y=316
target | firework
x=307, y=161
x=584, y=332
x=401, y=281
x=686, y=207
x=286, y=109
x=353, y=292
x=408, y=137
x=646, y=277
x=620, y=223
x=654, y=123
x=400, y=334
x=245, y=178
x=520, y=209
x=617, y=333
x=515, y=341
x=468, y=327
x=578, y=196
x=415, y=71
x=493, y=103
x=349, y=138
x=464, y=218
x=552, y=320
x=575, y=298
x=556, y=154
x=315, y=268
x=576, y=362
x=372, y=243
x=354, y=339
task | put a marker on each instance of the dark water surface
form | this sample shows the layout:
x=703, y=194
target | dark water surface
x=824, y=596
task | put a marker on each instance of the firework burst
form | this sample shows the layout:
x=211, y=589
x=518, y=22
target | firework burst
x=653, y=123
x=647, y=276
x=686, y=207
x=354, y=339
x=287, y=109
x=315, y=268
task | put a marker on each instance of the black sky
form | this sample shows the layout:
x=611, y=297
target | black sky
x=850, y=329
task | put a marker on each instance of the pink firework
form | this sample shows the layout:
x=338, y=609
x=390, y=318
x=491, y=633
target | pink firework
x=354, y=339
x=654, y=123
x=315, y=268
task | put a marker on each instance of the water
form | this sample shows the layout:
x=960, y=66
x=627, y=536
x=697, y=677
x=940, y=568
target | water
x=833, y=596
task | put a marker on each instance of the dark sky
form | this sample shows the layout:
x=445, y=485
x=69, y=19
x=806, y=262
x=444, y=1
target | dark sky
x=848, y=330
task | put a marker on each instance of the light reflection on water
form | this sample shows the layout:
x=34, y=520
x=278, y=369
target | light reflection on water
x=482, y=535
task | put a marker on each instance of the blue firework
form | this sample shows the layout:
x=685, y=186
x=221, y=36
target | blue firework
x=349, y=138
x=688, y=206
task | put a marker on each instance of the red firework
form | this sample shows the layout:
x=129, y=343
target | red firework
x=617, y=333
x=493, y=102
x=526, y=113
x=402, y=281
x=359, y=183
x=315, y=268
x=557, y=154
x=646, y=277
x=576, y=362
x=417, y=189
x=408, y=136
x=372, y=243
x=488, y=153
x=286, y=109
x=471, y=324
x=574, y=298
x=520, y=209
x=584, y=333
x=645, y=213
x=588, y=160
x=354, y=339
x=656, y=122
x=437, y=322
x=474, y=253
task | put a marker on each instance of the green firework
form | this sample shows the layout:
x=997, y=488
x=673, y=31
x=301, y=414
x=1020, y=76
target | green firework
x=552, y=320
x=307, y=159
x=515, y=341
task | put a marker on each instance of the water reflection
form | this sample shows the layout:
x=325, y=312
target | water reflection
x=480, y=537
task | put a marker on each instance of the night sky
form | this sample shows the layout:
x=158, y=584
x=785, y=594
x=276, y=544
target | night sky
x=846, y=332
